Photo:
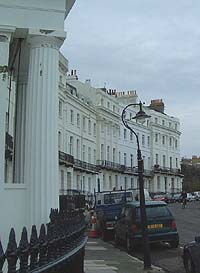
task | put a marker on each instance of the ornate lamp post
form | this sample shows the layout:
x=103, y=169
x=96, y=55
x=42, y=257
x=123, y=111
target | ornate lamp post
x=140, y=116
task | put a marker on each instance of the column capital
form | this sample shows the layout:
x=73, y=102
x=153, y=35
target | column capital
x=44, y=41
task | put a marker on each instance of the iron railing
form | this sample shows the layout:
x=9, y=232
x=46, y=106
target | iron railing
x=59, y=247
x=166, y=170
x=85, y=166
x=66, y=159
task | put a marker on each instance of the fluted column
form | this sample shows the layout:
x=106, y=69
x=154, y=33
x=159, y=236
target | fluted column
x=4, y=56
x=41, y=145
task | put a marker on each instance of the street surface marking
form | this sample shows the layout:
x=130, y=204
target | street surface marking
x=95, y=248
x=91, y=243
x=98, y=264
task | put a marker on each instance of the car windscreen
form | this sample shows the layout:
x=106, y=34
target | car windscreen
x=154, y=212
x=117, y=198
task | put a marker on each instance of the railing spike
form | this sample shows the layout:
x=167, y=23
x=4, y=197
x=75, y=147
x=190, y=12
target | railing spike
x=34, y=248
x=23, y=251
x=2, y=257
x=11, y=252
x=42, y=246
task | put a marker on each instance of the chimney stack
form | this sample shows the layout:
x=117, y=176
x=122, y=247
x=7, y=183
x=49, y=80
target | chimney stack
x=157, y=105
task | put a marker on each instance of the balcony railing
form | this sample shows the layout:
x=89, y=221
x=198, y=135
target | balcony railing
x=109, y=165
x=66, y=159
x=165, y=170
x=85, y=166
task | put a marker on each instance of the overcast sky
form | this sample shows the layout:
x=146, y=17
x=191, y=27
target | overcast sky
x=151, y=46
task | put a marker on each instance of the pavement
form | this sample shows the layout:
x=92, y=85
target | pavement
x=102, y=257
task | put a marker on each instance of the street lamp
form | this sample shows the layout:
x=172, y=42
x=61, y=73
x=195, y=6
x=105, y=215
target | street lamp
x=140, y=116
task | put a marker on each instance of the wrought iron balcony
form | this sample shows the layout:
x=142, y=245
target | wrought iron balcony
x=164, y=170
x=66, y=159
x=85, y=166
x=109, y=165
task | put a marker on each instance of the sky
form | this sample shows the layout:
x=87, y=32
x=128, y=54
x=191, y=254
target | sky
x=151, y=46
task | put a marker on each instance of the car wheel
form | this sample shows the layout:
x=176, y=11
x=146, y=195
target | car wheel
x=174, y=244
x=129, y=245
x=188, y=263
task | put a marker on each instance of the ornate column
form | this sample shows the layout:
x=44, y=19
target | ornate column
x=41, y=145
x=4, y=56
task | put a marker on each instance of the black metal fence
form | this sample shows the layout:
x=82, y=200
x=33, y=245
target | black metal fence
x=59, y=248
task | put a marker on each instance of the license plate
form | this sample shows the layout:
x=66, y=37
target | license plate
x=153, y=226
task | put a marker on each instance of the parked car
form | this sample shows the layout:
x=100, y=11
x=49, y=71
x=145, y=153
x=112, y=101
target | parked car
x=197, y=195
x=177, y=197
x=190, y=197
x=161, y=224
x=191, y=254
x=159, y=196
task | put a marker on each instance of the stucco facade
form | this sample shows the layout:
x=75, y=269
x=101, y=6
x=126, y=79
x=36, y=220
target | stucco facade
x=29, y=45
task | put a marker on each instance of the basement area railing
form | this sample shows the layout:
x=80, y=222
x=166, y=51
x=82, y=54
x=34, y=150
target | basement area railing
x=59, y=248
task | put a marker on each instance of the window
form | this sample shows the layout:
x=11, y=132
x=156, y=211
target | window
x=176, y=126
x=163, y=122
x=104, y=182
x=71, y=145
x=116, y=181
x=83, y=186
x=60, y=109
x=102, y=152
x=119, y=157
x=108, y=153
x=164, y=160
x=132, y=183
x=131, y=161
x=78, y=120
x=77, y=148
x=84, y=124
x=130, y=115
x=170, y=141
x=125, y=133
x=156, y=137
x=170, y=124
x=89, y=127
x=72, y=116
x=89, y=155
x=102, y=102
x=176, y=162
x=89, y=184
x=125, y=159
x=108, y=105
x=158, y=183
x=113, y=108
x=83, y=152
x=156, y=120
x=176, y=143
x=59, y=140
x=165, y=184
x=143, y=140
x=156, y=159
x=110, y=182
x=170, y=162
x=114, y=154
x=95, y=129
x=125, y=183
x=95, y=156
x=148, y=140
x=163, y=140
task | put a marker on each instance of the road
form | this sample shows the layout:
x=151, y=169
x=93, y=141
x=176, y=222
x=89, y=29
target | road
x=188, y=224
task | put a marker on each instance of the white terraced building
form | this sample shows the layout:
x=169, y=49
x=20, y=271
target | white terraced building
x=95, y=146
